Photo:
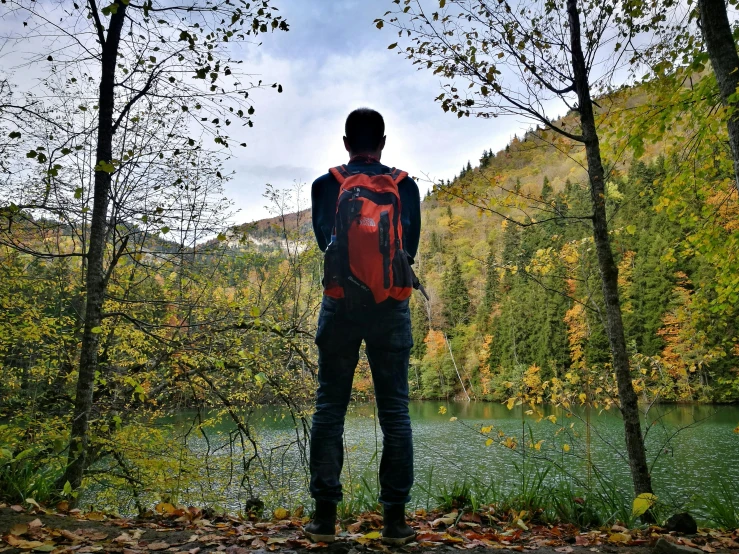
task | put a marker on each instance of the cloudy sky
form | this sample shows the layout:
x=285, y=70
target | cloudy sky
x=331, y=61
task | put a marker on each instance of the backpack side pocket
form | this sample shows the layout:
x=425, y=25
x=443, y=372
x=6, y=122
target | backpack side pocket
x=402, y=273
x=331, y=267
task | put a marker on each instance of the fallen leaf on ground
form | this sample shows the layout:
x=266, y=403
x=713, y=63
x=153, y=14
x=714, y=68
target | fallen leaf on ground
x=93, y=535
x=237, y=550
x=18, y=529
x=619, y=538
x=368, y=537
x=211, y=538
x=161, y=545
x=165, y=508
x=22, y=543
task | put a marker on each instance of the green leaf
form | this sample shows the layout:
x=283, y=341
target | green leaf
x=393, y=45
x=222, y=237
x=631, y=229
x=78, y=193
x=14, y=134
x=96, y=330
x=442, y=3
x=380, y=23
x=107, y=167
x=164, y=230
x=110, y=9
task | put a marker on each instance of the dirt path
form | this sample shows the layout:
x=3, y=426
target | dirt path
x=182, y=531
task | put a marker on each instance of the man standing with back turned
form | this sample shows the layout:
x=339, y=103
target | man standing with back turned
x=367, y=220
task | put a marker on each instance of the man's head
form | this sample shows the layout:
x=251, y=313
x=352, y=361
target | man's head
x=364, y=133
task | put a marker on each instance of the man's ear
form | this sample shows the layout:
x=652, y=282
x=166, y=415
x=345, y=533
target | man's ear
x=346, y=145
x=382, y=143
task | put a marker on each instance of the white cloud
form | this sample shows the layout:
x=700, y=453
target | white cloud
x=303, y=126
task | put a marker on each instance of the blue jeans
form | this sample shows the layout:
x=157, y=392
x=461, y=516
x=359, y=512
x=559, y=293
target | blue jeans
x=388, y=340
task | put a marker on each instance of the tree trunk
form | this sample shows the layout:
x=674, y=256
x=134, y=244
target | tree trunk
x=714, y=24
x=607, y=265
x=95, y=282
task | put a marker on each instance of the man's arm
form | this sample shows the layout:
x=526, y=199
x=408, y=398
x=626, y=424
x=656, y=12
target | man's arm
x=411, y=216
x=323, y=194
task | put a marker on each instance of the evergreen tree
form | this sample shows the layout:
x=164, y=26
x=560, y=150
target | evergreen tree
x=490, y=296
x=455, y=297
x=469, y=167
x=546, y=189
x=419, y=328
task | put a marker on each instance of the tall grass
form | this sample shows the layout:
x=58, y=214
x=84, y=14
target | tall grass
x=722, y=508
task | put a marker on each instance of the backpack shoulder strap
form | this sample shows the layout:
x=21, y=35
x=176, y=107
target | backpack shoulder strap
x=397, y=175
x=340, y=173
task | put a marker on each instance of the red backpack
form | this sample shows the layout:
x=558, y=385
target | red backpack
x=365, y=262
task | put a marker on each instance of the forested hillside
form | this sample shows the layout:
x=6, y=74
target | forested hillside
x=507, y=255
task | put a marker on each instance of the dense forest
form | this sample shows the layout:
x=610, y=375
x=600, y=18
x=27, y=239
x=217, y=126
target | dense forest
x=592, y=263
x=517, y=292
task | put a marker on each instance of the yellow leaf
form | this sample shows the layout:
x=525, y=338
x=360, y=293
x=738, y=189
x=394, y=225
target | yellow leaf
x=374, y=535
x=619, y=537
x=486, y=430
x=552, y=418
x=165, y=508
x=488, y=442
x=566, y=447
x=642, y=503
x=736, y=429
x=537, y=446
x=510, y=403
x=442, y=410
x=19, y=529
x=280, y=513
x=452, y=419
x=583, y=397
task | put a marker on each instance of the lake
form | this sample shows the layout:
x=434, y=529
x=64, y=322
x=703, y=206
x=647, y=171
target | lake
x=693, y=450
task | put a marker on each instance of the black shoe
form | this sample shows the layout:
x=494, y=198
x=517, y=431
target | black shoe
x=322, y=527
x=395, y=530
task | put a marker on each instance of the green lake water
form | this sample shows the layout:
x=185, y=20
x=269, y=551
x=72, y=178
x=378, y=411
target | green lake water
x=693, y=450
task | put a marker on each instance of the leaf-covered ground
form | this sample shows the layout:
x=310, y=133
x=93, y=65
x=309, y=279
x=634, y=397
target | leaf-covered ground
x=189, y=530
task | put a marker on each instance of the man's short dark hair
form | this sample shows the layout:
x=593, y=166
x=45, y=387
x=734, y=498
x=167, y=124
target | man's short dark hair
x=364, y=130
